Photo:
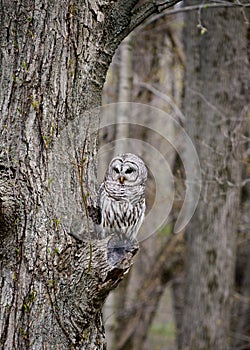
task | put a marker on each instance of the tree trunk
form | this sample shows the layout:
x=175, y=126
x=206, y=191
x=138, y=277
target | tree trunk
x=50, y=297
x=124, y=95
x=241, y=302
x=53, y=66
x=53, y=63
x=214, y=102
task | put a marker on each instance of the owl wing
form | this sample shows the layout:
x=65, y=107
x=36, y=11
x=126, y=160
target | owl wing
x=95, y=212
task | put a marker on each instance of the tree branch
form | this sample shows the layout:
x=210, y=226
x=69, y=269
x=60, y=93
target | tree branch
x=147, y=9
x=163, y=97
x=208, y=5
x=77, y=303
x=122, y=18
x=119, y=16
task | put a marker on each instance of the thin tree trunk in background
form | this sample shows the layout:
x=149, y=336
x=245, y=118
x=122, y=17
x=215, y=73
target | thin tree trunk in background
x=124, y=95
x=215, y=98
x=241, y=304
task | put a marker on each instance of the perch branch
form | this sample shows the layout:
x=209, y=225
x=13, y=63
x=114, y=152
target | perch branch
x=147, y=9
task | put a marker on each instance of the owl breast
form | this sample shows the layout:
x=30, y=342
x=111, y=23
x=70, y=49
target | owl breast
x=122, y=216
x=122, y=197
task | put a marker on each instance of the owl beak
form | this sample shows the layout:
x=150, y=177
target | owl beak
x=121, y=179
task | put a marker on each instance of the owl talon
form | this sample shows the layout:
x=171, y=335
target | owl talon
x=118, y=249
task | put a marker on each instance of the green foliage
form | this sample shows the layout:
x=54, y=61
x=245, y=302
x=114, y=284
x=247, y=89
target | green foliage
x=166, y=230
x=27, y=305
x=23, y=333
x=17, y=250
x=25, y=66
x=50, y=180
x=57, y=222
x=164, y=329
x=162, y=335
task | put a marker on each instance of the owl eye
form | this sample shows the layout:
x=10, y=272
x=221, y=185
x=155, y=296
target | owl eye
x=116, y=170
x=129, y=171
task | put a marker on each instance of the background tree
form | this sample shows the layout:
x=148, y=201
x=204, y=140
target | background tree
x=215, y=107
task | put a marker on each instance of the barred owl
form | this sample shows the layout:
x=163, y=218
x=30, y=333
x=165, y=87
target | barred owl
x=122, y=199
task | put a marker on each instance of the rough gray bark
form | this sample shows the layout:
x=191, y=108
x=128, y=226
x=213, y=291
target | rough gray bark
x=46, y=301
x=53, y=61
x=215, y=108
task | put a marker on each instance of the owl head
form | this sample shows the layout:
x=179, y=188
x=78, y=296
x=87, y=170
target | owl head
x=127, y=169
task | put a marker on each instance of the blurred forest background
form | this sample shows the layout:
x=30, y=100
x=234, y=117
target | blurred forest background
x=193, y=287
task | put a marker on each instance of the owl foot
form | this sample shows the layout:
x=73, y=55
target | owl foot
x=118, y=249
